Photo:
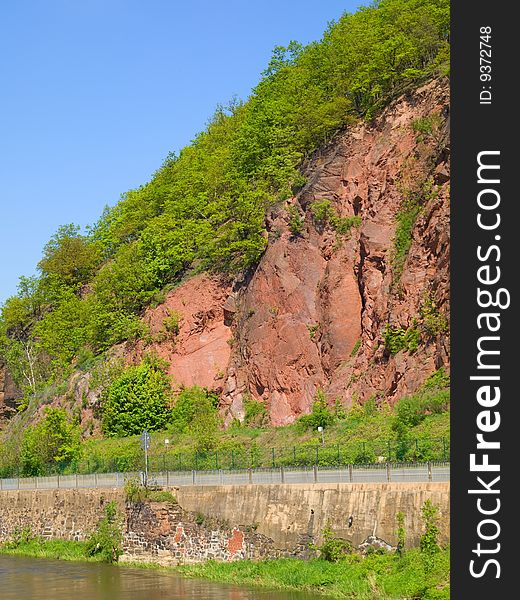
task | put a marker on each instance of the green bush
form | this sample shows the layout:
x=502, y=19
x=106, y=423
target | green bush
x=256, y=414
x=138, y=399
x=333, y=549
x=50, y=444
x=398, y=338
x=320, y=416
x=296, y=221
x=107, y=540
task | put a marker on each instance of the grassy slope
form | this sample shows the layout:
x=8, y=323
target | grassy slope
x=349, y=433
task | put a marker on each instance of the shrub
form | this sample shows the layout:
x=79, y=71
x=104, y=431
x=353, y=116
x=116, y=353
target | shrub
x=320, y=415
x=398, y=338
x=400, y=533
x=434, y=322
x=190, y=404
x=429, y=540
x=321, y=211
x=171, y=323
x=138, y=399
x=51, y=443
x=107, y=540
x=295, y=220
x=256, y=414
x=332, y=548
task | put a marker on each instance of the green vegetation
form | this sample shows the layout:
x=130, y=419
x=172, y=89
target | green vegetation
x=138, y=399
x=373, y=577
x=333, y=549
x=44, y=548
x=51, y=442
x=296, y=221
x=398, y=338
x=137, y=493
x=416, y=429
x=320, y=415
x=107, y=540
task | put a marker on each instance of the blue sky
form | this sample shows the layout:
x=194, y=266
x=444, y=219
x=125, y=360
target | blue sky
x=95, y=93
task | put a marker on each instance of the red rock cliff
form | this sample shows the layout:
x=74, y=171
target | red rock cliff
x=313, y=313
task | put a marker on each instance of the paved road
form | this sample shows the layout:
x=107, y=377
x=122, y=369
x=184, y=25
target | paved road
x=347, y=474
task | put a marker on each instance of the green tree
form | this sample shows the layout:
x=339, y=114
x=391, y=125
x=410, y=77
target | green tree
x=52, y=442
x=70, y=256
x=138, y=399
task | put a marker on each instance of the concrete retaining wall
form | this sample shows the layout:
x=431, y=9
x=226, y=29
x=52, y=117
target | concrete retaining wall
x=231, y=522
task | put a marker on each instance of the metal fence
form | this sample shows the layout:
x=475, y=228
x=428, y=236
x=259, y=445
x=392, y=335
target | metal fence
x=131, y=459
x=369, y=473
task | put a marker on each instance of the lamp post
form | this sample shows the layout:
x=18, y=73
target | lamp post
x=320, y=430
x=166, y=445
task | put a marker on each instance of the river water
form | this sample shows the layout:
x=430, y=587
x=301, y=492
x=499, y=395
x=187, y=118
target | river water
x=42, y=579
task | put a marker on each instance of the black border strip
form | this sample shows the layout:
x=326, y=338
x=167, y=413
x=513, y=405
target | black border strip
x=478, y=127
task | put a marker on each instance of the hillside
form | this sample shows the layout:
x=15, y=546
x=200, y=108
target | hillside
x=295, y=255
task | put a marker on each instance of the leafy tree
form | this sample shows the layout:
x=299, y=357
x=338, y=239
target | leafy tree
x=138, y=399
x=70, y=256
x=53, y=441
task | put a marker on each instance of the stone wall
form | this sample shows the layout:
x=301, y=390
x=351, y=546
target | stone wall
x=230, y=522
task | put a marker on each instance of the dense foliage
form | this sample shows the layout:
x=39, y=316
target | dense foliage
x=138, y=399
x=52, y=442
x=204, y=209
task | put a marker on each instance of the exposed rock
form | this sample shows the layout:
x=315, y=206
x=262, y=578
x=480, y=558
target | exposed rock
x=9, y=395
x=198, y=351
x=313, y=296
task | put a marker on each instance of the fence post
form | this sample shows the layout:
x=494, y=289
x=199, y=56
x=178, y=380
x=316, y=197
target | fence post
x=429, y=471
x=193, y=477
x=168, y=478
x=315, y=473
x=58, y=480
x=388, y=477
x=282, y=475
x=250, y=475
x=273, y=457
x=95, y=479
x=350, y=473
x=339, y=456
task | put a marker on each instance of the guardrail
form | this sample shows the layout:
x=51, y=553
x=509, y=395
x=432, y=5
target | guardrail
x=370, y=473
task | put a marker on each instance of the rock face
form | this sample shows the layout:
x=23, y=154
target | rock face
x=314, y=313
x=189, y=331
x=9, y=395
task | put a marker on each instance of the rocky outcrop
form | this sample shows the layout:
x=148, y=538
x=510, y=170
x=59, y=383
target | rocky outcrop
x=9, y=395
x=189, y=332
x=314, y=312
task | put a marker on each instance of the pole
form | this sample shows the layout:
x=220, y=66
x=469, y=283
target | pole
x=145, y=465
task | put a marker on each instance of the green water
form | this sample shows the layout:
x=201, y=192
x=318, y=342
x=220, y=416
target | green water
x=42, y=579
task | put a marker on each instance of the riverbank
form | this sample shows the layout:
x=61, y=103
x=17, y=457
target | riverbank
x=375, y=577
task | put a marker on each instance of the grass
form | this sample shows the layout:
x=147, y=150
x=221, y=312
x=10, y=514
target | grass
x=375, y=577
x=43, y=548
